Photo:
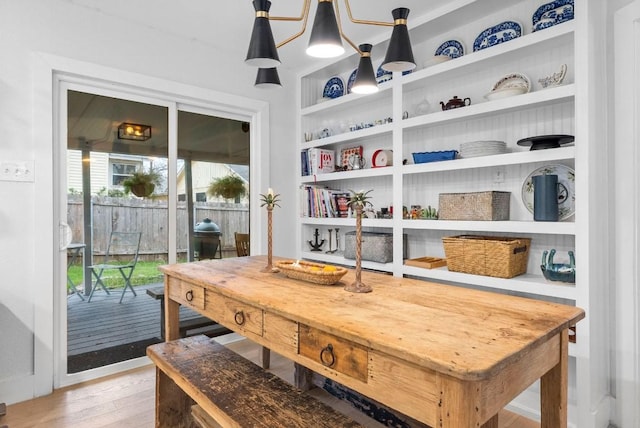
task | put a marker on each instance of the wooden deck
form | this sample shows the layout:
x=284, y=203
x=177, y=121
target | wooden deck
x=105, y=323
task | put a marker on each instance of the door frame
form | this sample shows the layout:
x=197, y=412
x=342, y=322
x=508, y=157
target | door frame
x=51, y=73
x=627, y=214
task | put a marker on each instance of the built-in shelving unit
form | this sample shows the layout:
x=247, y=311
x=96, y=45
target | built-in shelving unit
x=542, y=111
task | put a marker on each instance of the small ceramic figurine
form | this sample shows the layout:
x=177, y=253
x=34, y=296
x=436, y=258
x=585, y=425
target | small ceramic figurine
x=558, y=271
x=455, y=102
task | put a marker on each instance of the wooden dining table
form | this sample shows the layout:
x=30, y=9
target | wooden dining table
x=445, y=355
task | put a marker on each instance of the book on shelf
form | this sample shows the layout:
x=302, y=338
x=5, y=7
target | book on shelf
x=321, y=161
x=317, y=201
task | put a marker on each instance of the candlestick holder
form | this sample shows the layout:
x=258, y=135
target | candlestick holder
x=358, y=202
x=270, y=200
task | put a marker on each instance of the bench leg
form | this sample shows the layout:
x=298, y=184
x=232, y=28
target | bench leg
x=266, y=357
x=173, y=406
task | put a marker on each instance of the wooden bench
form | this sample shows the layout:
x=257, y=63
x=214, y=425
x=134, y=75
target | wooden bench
x=200, y=383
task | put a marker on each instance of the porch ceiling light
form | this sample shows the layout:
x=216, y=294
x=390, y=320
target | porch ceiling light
x=134, y=131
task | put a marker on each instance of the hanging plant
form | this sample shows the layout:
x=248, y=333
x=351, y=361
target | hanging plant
x=228, y=187
x=142, y=184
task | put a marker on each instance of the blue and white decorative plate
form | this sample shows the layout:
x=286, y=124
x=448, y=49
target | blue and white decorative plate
x=383, y=75
x=500, y=33
x=552, y=13
x=334, y=88
x=352, y=78
x=450, y=48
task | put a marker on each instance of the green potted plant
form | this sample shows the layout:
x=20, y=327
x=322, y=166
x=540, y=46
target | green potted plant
x=228, y=187
x=141, y=183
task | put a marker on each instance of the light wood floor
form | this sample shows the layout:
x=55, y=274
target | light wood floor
x=126, y=400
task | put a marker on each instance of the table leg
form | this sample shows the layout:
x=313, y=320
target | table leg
x=162, y=317
x=553, y=389
x=171, y=319
x=459, y=404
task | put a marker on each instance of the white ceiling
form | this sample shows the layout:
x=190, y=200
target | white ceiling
x=226, y=24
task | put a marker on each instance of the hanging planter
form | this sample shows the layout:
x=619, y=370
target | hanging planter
x=142, y=184
x=228, y=187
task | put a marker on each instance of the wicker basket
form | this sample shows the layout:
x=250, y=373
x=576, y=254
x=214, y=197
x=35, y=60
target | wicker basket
x=302, y=270
x=474, y=206
x=486, y=255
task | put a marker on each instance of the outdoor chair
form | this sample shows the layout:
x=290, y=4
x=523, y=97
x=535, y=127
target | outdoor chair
x=242, y=244
x=121, y=256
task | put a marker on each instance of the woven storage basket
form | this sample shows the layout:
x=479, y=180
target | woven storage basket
x=486, y=255
x=474, y=206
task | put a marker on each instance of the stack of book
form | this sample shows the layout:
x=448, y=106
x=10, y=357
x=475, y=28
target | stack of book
x=322, y=202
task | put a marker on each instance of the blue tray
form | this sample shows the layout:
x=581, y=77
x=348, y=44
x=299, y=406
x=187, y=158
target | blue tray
x=424, y=157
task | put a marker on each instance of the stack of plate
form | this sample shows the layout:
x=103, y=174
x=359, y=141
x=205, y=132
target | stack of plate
x=473, y=149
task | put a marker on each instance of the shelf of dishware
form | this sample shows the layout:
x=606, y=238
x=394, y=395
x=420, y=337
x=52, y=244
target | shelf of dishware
x=526, y=283
x=514, y=158
x=530, y=44
x=353, y=100
x=509, y=226
x=337, y=258
x=546, y=97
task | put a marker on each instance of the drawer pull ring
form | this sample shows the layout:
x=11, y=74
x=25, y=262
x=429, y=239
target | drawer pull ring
x=239, y=317
x=327, y=357
x=189, y=295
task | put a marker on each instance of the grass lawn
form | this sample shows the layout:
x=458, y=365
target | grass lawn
x=144, y=273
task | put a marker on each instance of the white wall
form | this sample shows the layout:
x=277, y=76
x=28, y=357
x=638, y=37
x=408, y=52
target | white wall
x=63, y=29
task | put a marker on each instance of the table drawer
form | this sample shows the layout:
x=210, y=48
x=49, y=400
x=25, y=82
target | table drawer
x=235, y=315
x=333, y=352
x=186, y=293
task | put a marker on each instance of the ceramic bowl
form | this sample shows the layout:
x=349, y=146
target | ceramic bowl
x=560, y=272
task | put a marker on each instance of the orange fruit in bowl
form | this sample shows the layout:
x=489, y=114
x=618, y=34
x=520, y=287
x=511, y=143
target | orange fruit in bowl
x=329, y=268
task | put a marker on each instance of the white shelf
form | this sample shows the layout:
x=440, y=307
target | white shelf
x=347, y=222
x=352, y=99
x=515, y=158
x=360, y=134
x=528, y=227
x=345, y=175
x=527, y=283
x=541, y=39
x=338, y=259
x=515, y=103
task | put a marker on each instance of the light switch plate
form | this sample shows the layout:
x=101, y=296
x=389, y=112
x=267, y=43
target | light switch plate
x=17, y=170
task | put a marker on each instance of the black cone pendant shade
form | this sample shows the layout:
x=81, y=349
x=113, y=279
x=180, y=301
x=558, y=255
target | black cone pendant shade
x=267, y=78
x=365, y=82
x=262, y=48
x=399, y=54
x=325, y=40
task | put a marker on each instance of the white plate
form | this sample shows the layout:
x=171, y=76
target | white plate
x=566, y=177
x=504, y=93
x=513, y=80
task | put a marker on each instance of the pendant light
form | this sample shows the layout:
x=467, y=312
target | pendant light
x=325, y=40
x=267, y=78
x=365, y=81
x=262, y=50
x=399, y=55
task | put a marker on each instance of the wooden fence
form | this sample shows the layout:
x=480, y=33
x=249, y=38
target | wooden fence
x=151, y=218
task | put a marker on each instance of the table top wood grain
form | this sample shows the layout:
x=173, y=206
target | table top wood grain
x=466, y=333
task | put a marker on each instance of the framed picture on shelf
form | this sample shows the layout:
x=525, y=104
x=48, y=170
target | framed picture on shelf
x=348, y=151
